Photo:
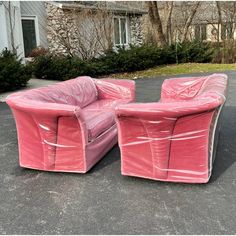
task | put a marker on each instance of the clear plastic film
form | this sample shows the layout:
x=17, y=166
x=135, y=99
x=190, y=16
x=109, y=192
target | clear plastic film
x=68, y=126
x=174, y=139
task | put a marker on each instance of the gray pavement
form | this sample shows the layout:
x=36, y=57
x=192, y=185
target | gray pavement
x=33, y=83
x=104, y=202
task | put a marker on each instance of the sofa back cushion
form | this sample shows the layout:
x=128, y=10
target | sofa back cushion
x=192, y=87
x=181, y=88
x=80, y=91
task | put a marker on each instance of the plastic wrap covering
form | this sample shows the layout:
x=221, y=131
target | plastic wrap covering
x=175, y=138
x=68, y=126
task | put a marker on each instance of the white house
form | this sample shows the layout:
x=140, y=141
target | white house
x=22, y=26
x=11, y=35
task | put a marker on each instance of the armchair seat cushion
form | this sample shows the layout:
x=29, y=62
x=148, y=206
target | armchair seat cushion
x=97, y=122
x=99, y=116
x=109, y=104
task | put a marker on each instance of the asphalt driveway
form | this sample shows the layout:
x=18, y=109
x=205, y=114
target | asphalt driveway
x=104, y=202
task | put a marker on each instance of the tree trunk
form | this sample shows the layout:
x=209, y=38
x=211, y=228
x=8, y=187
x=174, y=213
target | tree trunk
x=218, y=33
x=11, y=16
x=168, y=24
x=189, y=21
x=219, y=20
x=155, y=19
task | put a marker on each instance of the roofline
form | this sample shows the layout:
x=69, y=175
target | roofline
x=126, y=11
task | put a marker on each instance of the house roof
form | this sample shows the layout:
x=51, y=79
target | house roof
x=110, y=6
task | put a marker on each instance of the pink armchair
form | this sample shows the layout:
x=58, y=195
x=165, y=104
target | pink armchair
x=174, y=139
x=68, y=126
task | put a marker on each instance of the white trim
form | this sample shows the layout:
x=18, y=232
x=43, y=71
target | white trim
x=36, y=26
x=126, y=30
x=57, y=4
x=3, y=36
x=200, y=31
x=15, y=17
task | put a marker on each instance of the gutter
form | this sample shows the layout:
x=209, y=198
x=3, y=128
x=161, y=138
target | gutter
x=81, y=6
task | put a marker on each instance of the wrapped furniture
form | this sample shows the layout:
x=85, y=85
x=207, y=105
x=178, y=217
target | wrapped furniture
x=175, y=138
x=68, y=126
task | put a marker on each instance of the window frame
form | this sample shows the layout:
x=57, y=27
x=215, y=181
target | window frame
x=126, y=31
x=226, y=33
x=201, y=26
x=36, y=26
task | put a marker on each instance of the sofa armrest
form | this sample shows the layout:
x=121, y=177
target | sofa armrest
x=168, y=109
x=43, y=108
x=115, y=89
x=38, y=124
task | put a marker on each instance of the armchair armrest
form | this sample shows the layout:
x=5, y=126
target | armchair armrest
x=188, y=87
x=115, y=89
x=168, y=109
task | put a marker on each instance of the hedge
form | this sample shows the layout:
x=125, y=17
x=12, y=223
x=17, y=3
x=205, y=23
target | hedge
x=133, y=59
x=13, y=74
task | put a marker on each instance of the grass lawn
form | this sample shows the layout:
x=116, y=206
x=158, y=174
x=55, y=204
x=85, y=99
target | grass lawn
x=175, y=69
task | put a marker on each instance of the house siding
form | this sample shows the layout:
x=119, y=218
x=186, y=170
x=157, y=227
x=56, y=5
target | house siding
x=37, y=8
x=8, y=41
x=65, y=37
x=136, y=31
x=4, y=41
x=211, y=37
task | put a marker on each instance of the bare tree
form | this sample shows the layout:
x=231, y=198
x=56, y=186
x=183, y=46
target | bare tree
x=160, y=19
x=219, y=20
x=94, y=32
x=84, y=32
x=168, y=24
x=189, y=21
x=161, y=14
x=156, y=22
x=226, y=27
x=11, y=11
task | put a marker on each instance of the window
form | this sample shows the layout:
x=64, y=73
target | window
x=227, y=31
x=30, y=34
x=120, y=31
x=200, y=32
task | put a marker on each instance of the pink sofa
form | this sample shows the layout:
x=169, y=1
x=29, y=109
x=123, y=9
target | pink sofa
x=68, y=126
x=173, y=139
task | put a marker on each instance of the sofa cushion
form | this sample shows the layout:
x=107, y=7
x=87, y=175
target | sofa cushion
x=83, y=90
x=97, y=122
x=78, y=92
x=99, y=116
x=107, y=104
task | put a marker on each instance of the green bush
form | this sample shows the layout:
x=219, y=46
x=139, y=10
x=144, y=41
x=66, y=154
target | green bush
x=225, y=52
x=62, y=68
x=133, y=59
x=50, y=67
x=196, y=51
x=123, y=60
x=13, y=74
